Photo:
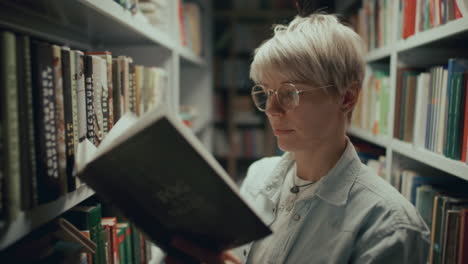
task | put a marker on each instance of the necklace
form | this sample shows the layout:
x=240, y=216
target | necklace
x=296, y=188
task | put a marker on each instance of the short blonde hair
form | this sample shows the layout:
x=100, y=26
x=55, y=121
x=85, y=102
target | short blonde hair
x=316, y=49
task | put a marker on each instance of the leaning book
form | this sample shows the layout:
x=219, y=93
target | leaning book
x=163, y=179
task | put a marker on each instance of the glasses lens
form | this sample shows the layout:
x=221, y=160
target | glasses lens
x=288, y=96
x=259, y=97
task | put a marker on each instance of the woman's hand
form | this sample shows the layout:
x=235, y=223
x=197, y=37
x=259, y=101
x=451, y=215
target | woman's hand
x=202, y=254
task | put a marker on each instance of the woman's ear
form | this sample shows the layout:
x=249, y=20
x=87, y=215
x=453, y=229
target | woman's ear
x=350, y=98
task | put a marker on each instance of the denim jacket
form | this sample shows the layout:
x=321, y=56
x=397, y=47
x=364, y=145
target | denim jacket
x=354, y=216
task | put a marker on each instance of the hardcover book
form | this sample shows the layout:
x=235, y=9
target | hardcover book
x=10, y=183
x=26, y=118
x=49, y=184
x=68, y=111
x=60, y=117
x=162, y=179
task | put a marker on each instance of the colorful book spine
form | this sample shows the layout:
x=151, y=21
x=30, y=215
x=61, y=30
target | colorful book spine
x=10, y=126
x=49, y=185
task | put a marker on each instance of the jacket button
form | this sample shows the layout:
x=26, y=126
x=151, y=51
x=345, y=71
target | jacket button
x=268, y=188
x=245, y=252
x=297, y=217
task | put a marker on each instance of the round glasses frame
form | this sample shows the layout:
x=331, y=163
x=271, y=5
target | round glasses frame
x=288, y=100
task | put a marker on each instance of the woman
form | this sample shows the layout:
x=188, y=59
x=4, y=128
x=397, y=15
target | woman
x=322, y=203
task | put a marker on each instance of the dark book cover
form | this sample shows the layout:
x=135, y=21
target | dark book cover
x=49, y=185
x=60, y=118
x=131, y=87
x=29, y=197
x=68, y=112
x=88, y=218
x=89, y=89
x=116, y=92
x=10, y=184
x=164, y=200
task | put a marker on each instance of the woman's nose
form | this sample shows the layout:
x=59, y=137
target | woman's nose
x=273, y=107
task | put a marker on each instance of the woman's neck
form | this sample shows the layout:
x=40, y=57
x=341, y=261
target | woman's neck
x=313, y=165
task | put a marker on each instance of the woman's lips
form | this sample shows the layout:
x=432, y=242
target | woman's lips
x=280, y=132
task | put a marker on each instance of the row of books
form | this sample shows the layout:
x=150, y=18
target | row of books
x=419, y=15
x=233, y=73
x=443, y=205
x=52, y=98
x=116, y=241
x=82, y=235
x=374, y=23
x=247, y=143
x=432, y=110
x=373, y=107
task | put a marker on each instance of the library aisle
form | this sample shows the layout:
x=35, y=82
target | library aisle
x=71, y=69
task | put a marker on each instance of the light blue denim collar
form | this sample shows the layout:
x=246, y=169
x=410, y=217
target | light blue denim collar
x=333, y=188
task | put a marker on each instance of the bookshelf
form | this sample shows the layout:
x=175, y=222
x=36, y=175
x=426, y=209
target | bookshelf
x=245, y=28
x=34, y=218
x=98, y=25
x=433, y=46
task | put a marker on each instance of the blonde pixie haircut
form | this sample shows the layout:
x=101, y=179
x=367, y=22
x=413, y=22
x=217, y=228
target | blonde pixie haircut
x=316, y=49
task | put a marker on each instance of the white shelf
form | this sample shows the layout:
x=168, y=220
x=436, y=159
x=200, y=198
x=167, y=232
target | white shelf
x=434, y=34
x=378, y=54
x=29, y=220
x=430, y=158
x=126, y=28
x=378, y=140
x=189, y=56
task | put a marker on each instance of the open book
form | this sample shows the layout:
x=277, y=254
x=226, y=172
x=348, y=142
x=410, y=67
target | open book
x=161, y=177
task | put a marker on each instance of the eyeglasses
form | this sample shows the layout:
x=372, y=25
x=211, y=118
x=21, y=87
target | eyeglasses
x=287, y=95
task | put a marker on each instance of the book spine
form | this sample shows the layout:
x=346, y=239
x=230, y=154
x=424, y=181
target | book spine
x=68, y=111
x=90, y=112
x=60, y=118
x=26, y=123
x=136, y=245
x=131, y=87
x=110, y=91
x=124, y=76
x=465, y=122
x=45, y=123
x=116, y=88
x=97, y=81
x=74, y=98
x=9, y=95
x=457, y=122
x=81, y=95
x=105, y=97
x=121, y=242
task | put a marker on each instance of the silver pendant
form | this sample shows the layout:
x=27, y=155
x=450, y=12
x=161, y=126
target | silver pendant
x=294, y=189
